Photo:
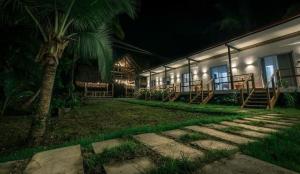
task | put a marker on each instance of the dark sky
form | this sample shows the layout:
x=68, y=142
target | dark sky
x=173, y=28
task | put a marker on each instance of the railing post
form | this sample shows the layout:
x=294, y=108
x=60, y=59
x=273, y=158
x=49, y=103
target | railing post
x=248, y=90
x=112, y=89
x=253, y=81
x=85, y=89
x=242, y=96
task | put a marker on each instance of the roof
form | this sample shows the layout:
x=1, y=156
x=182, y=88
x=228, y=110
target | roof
x=276, y=30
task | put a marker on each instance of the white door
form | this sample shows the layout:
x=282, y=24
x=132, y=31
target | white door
x=271, y=66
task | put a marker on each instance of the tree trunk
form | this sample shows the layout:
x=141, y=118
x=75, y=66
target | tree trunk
x=5, y=105
x=38, y=127
x=31, y=100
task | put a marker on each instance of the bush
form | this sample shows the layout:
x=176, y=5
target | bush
x=289, y=99
x=227, y=99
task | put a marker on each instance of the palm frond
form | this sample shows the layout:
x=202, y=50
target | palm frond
x=95, y=45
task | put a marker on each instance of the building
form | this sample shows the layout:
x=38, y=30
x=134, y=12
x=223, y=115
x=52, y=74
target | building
x=122, y=84
x=259, y=65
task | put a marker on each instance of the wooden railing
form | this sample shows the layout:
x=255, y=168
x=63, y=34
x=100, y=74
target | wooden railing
x=274, y=87
x=238, y=81
x=249, y=91
x=290, y=77
x=103, y=90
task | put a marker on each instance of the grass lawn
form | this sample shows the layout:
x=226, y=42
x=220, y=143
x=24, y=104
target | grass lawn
x=105, y=119
x=281, y=148
x=121, y=118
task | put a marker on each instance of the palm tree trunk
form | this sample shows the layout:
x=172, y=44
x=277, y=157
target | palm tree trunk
x=31, y=100
x=38, y=127
x=5, y=105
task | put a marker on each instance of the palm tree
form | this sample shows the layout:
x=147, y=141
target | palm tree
x=79, y=25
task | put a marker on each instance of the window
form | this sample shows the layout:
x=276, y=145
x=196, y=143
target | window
x=220, y=76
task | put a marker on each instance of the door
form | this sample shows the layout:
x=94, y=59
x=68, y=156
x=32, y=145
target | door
x=270, y=66
x=220, y=76
x=287, y=71
x=185, y=82
x=284, y=64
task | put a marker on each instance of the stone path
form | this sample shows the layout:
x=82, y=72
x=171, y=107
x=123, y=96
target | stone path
x=99, y=147
x=242, y=164
x=254, y=128
x=69, y=160
x=213, y=145
x=252, y=134
x=217, y=126
x=281, y=117
x=270, y=121
x=176, y=133
x=6, y=168
x=66, y=160
x=219, y=134
x=135, y=166
x=168, y=147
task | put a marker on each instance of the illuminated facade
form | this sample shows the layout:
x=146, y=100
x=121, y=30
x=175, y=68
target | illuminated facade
x=261, y=53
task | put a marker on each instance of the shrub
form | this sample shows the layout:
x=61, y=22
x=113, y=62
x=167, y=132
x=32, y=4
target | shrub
x=228, y=99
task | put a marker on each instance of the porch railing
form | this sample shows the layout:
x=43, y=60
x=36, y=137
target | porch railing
x=273, y=87
x=290, y=77
x=246, y=89
x=224, y=83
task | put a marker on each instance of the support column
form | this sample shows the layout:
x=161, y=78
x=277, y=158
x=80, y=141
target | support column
x=150, y=84
x=190, y=87
x=230, y=68
x=165, y=81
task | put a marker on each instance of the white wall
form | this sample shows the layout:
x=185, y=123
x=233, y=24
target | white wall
x=244, y=62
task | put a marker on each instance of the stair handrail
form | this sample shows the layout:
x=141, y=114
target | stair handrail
x=275, y=89
x=210, y=90
x=246, y=82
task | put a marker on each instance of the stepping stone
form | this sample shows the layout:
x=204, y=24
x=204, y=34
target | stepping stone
x=242, y=164
x=152, y=139
x=284, y=117
x=268, y=116
x=176, y=133
x=241, y=121
x=275, y=114
x=217, y=126
x=63, y=160
x=214, y=145
x=275, y=126
x=250, y=127
x=7, y=167
x=167, y=147
x=99, y=147
x=252, y=134
x=135, y=166
x=269, y=121
x=219, y=134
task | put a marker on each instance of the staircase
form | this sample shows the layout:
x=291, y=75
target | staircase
x=202, y=98
x=258, y=99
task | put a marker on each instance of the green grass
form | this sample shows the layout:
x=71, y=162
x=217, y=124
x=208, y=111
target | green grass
x=192, y=137
x=87, y=140
x=186, y=166
x=232, y=129
x=281, y=149
x=256, y=123
x=208, y=108
x=125, y=151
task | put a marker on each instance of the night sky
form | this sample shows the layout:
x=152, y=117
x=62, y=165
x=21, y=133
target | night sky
x=176, y=28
